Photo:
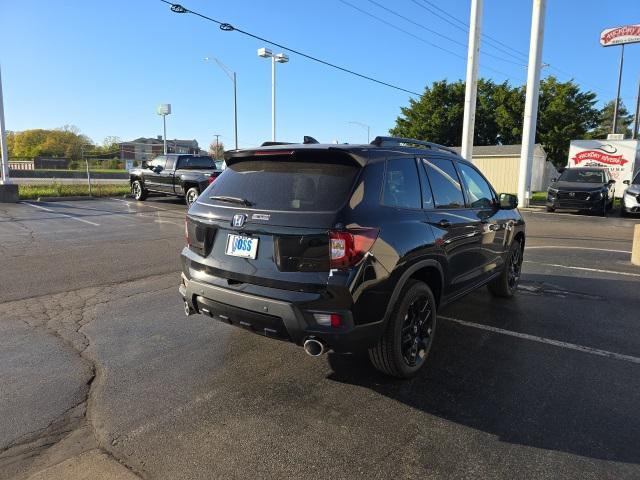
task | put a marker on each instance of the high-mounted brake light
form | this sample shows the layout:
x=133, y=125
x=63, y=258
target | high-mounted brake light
x=259, y=153
x=350, y=246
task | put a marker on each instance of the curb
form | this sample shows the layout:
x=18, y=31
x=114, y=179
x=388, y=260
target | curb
x=66, y=199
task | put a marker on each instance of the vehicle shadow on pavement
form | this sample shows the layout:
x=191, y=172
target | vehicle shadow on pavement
x=523, y=392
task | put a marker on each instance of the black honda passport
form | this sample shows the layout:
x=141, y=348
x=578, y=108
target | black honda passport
x=348, y=247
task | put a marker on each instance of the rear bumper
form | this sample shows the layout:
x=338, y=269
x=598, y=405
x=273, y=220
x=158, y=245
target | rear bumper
x=276, y=318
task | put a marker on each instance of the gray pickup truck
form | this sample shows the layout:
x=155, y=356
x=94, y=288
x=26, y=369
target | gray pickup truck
x=174, y=174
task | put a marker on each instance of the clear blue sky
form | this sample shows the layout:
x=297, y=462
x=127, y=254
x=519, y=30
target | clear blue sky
x=104, y=66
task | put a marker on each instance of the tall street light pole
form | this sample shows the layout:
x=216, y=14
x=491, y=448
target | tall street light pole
x=4, y=171
x=531, y=100
x=277, y=58
x=471, y=87
x=164, y=109
x=232, y=76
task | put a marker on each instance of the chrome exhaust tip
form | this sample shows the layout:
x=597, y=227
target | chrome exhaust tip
x=187, y=309
x=314, y=347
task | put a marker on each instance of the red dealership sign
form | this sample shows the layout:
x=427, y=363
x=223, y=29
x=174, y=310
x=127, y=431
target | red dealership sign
x=620, y=35
x=598, y=156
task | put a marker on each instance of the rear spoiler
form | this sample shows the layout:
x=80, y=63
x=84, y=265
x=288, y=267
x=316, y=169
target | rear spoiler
x=295, y=153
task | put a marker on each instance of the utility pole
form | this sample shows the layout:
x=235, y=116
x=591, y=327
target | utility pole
x=531, y=100
x=471, y=87
x=4, y=173
x=617, y=104
x=636, y=118
x=215, y=154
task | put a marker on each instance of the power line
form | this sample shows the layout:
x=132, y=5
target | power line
x=227, y=27
x=463, y=26
x=421, y=39
x=452, y=40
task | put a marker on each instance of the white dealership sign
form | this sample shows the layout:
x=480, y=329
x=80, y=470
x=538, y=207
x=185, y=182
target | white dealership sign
x=620, y=157
x=620, y=35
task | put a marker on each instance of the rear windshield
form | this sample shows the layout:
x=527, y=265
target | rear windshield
x=582, y=176
x=289, y=186
x=197, y=162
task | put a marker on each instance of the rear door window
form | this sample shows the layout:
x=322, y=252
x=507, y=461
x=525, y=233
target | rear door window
x=445, y=183
x=287, y=185
x=196, y=162
x=401, y=184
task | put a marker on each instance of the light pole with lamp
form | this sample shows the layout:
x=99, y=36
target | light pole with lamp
x=365, y=126
x=277, y=58
x=164, y=109
x=232, y=76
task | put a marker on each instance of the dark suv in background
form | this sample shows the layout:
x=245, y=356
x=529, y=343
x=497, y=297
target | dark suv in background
x=590, y=189
x=348, y=247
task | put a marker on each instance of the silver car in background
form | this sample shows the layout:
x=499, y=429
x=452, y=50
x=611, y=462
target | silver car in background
x=631, y=198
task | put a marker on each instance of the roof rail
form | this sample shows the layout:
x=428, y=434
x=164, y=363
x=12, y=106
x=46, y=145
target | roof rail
x=400, y=141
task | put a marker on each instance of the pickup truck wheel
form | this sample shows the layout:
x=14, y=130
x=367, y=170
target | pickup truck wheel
x=507, y=282
x=191, y=196
x=403, y=349
x=138, y=192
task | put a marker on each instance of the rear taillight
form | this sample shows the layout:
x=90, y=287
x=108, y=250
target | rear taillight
x=350, y=246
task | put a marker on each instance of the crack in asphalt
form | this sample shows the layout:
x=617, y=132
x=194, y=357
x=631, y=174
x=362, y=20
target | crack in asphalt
x=64, y=315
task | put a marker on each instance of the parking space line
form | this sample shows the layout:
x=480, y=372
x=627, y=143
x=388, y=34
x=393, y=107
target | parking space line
x=145, y=205
x=548, y=341
x=61, y=214
x=576, y=248
x=585, y=269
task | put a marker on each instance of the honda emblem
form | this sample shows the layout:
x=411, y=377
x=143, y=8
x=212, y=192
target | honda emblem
x=238, y=220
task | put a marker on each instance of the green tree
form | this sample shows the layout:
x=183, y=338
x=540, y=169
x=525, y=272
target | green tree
x=216, y=150
x=63, y=142
x=605, y=121
x=565, y=113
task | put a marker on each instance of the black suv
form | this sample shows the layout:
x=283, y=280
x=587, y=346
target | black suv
x=348, y=247
x=582, y=188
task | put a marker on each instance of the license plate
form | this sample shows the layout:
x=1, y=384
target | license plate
x=241, y=246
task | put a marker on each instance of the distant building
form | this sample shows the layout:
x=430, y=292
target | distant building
x=501, y=165
x=149, y=148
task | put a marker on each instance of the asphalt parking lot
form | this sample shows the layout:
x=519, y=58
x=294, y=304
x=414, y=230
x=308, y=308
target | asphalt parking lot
x=101, y=373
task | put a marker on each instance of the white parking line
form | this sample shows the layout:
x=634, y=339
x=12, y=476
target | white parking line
x=145, y=205
x=62, y=214
x=548, y=341
x=577, y=248
x=584, y=269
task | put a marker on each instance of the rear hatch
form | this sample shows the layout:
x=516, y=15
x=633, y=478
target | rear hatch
x=266, y=218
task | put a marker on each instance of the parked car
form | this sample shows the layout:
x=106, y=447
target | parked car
x=582, y=188
x=352, y=248
x=174, y=174
x=631, y=199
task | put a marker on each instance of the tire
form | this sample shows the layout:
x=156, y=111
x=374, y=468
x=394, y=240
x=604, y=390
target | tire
x=413, y=317
x=191, y=196
x=506, y=284
x=551, y=209
x=138, y=191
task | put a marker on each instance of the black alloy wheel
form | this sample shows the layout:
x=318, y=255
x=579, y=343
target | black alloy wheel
x=515, y=268
x=416, y=333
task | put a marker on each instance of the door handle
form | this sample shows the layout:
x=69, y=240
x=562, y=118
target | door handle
x=444, y=223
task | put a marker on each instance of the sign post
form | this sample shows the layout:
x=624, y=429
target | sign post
x=619, y=36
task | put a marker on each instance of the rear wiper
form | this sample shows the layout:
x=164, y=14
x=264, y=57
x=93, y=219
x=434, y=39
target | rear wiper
x=223, y=198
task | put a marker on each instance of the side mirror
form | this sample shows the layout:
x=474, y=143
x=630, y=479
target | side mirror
x=508, y=201
x=626, y=182
x=612, y=181
x=157, y=169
